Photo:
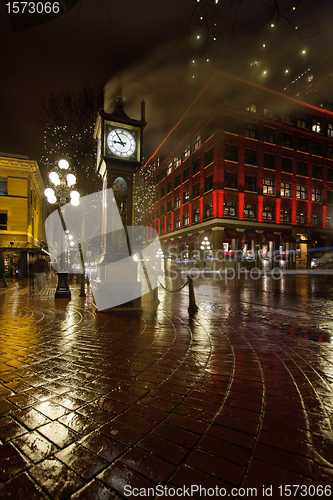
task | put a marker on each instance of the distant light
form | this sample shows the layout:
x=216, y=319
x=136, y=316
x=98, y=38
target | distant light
x=193, y=61
x=287, y=70
x=294, y=8
x=207, y=60
x=265, y=72
x=72, y=243
x=201, y=18
x=198, y=36
x=272, y=25
x=214, y=38
x=296, y=27
x=303, y=51
x=264, y=45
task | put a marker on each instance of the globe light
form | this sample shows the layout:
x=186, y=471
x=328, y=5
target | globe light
x=63, y=164
x=52, y=199
x=75, y=202
x=49, y=192
x=74, y=194
x=71, y=179
x=54, y=177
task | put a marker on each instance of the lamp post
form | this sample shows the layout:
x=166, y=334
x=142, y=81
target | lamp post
x=205, y=247
x=62, y=190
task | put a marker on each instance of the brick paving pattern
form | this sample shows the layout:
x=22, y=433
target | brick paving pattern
x=91, y=402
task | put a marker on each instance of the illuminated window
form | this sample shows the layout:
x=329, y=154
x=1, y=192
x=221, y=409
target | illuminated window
x=177, y=160
x=196, y=214
x=3, y=187
x=197, y=142
x=168, y=225
x=209, y=210
x=169, y=168
x=230, y=208
x=177, y=201
x=252, y=108
x=329, y=221
x=300, y=217
x=269, y=113
x=286, y=190
x=186, y=196
x=268, y=213
x=187, y=151
x=249, y=211
x=315, y=219
x=177, y=222
x=186, y=219
x=268, y=186
x=301, y=192
x=251, y=130
x=316, y=125
x=285, y=215
x=316, y=195
x=230, y=180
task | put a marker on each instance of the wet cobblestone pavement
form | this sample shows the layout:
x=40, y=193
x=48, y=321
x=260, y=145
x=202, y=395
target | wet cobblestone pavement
x=240, y=396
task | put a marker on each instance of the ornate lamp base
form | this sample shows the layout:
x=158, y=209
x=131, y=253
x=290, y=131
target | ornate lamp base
x=63, y=291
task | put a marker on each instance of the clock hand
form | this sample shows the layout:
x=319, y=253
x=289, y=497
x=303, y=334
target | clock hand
x=121, y=142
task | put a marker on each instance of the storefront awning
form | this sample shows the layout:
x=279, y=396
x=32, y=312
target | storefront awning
x=287, y=238
x=271, y=237
x=252, y=235
x=232, y=235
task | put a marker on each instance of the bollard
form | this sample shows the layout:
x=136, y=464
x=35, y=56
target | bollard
x=155, y=298
x=82, y=291
x=192, y=308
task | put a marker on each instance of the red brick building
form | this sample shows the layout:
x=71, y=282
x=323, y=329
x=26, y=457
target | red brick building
x=248, y=169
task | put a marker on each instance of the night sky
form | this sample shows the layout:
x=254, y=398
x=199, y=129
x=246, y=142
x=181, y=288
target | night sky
x=164, y=52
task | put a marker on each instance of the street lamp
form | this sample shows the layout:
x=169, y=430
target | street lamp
x=59, y=193
x=205, y=246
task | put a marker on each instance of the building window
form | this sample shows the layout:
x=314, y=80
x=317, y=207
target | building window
x=209, y=183
x=197, y=142
x=302, y=144
x=300, y=217
x=162, y=192
x=302, y=168
x=329, y=221
x=163, y=173
x=251, y=157
x=316, y=195
x=315, y=219
x=169, y=187
x=196, y=215
x=250, y=183
x=330, y=152
x=251, y=130
x=269, y=135
x=286, y=165
x=302, y=120
x=196, y=190
x=330, y=174
x=209, y=156
x=251, y=107
x=169, y=167
x=177, y=160
x=177, y=222
x=168, y=225
x=231, y=124
x=230, y=152
x=317, y=148
x=230, y=208
x=186, y=174
x=285, y=215
x=162, y=209
x=268, y=186
x=196, y=166
x=177, y=201
x=230, y=180
x=157, y=195
x=3, y=221
x=317, y=172
x=287, y=140
x=301, y=192
x=268, y=213
x=177, y=181
x=286, y=190
x=209, y=209
x=330, y=130
x=249, y=211
x=187, y=151
x=269, y=113
x=186, y=219
x=286, y=117
x=316, y=126
x=330, y=197
x=169, y=205
x=269, y=161
x=186, y=196
x=162, y=228
x=3, y=187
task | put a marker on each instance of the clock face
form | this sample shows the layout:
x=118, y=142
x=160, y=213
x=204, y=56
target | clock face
x=121, y=142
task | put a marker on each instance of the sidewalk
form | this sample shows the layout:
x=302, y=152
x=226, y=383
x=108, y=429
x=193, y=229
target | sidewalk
x=105, y=406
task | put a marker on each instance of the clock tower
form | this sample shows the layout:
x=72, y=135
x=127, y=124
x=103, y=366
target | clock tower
x=119, y=155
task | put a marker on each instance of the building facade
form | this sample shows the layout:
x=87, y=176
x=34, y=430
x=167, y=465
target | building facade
x=22, y=212
x=246, y=171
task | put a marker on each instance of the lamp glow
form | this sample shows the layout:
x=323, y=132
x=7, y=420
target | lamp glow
x=49, y=192
x=63, y=164
x=71, y=179
x=54, y=177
